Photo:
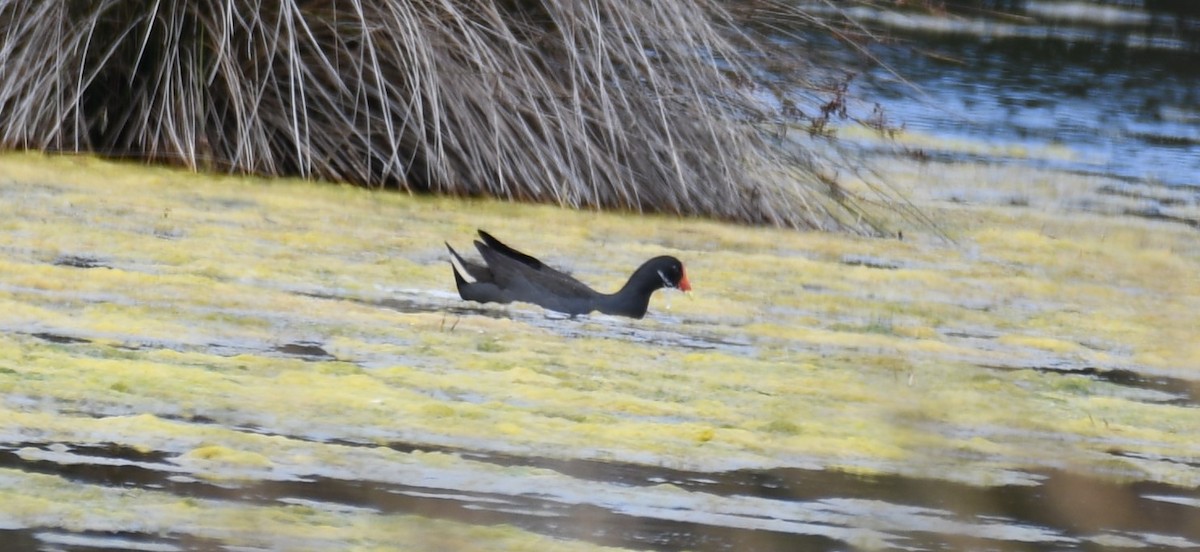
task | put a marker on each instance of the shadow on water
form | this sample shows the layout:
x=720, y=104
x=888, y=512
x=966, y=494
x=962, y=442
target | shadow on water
x=59, y=339
x=574, y=521
x=1119, y=507
x=96, y=541
x=1063, y=510
x=1174, y=391
x=1188, y=391
x=307, y=350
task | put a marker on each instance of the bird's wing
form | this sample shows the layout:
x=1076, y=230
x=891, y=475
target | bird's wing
x=507, y=251
x=527, y=276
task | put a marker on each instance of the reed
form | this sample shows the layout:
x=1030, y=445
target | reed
x=637, y=105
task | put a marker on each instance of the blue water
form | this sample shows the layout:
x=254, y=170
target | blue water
x=1129, y=114
x=1116, y=86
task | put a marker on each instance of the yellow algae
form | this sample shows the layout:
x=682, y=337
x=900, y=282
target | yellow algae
x=914, y=332
x=212, y=458
x=437, y=410
x=509, y=428
x=1037, y=342
x=792, y=352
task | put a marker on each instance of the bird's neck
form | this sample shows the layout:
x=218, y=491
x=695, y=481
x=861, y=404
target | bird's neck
x=624, y=303
x=634, y=297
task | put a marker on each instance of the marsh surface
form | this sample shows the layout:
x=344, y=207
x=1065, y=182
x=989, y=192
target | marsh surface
x=191, y=362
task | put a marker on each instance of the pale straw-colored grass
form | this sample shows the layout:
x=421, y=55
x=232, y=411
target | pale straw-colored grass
x=643, y=106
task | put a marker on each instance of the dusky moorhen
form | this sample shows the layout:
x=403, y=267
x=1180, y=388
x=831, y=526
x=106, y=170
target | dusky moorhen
x=509, y=275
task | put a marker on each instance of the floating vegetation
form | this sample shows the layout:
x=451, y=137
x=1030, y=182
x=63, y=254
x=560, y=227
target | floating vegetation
x=285, y=375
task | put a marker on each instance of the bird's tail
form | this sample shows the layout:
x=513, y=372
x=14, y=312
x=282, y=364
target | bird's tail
x=454, y=254
x=459, y=281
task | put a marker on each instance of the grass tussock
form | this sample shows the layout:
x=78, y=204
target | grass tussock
x=646, y=106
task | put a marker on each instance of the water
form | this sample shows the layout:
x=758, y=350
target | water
x=1115, y=86
x=640, y=506
x=806, y=509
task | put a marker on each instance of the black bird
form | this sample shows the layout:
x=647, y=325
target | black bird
x=509, y=275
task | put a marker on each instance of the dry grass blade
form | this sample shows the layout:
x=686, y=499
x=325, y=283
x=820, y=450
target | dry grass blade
x=644, y=106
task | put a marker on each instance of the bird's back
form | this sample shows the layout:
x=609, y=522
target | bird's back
x=524, y=278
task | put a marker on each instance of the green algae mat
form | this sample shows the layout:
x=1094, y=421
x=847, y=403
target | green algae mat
x=194, y=362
